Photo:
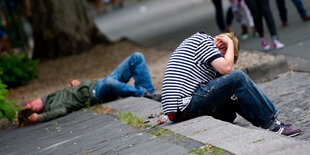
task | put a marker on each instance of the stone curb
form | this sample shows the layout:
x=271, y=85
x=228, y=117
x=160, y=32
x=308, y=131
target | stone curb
x=207, y=130
x=269, y=70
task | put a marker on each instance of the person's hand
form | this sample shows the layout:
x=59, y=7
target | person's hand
x=74, y=83
x=33, y=118
x=222, y=42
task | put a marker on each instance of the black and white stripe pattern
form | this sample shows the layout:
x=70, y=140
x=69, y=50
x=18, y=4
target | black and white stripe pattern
x=188, y=66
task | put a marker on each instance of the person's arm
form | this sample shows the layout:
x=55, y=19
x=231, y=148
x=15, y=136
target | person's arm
x=74, y=83
x=224, y=64
x=35, y=117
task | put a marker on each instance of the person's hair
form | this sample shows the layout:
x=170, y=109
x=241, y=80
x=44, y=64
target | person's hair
x=23, y=117
x=235, y=40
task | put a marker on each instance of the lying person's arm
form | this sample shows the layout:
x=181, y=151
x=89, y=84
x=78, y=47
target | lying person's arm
x=46, y=116
x=74, y=83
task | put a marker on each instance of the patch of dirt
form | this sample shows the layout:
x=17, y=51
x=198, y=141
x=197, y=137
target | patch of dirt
x=99, y=62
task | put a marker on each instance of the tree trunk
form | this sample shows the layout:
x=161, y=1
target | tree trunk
x=63, y=27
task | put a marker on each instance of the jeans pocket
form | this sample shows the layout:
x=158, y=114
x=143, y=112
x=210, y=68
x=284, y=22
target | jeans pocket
x=204, y=90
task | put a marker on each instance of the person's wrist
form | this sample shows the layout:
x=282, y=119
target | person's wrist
x=40, y=117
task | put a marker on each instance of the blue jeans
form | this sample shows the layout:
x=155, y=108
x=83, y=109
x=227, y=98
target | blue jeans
x=215, y=99
x=115, y=85
x=283, y=11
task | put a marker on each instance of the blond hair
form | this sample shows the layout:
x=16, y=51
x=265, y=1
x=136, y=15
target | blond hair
x=235, y=40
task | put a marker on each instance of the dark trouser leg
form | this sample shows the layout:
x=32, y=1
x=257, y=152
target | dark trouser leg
x=282, y=10
x=214, y=97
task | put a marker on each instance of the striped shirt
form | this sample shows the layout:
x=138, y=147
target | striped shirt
x=188, y=67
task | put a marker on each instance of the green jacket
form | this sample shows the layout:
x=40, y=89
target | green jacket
x=67, y=100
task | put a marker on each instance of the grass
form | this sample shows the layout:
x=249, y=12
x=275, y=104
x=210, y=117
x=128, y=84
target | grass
x=259, y=140
x=136, y=122
x=207, y=150
x=130, y=119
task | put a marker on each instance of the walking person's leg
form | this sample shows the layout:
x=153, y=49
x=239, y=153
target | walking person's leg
x=219, y=14
x=282, y=11
x=301, y=10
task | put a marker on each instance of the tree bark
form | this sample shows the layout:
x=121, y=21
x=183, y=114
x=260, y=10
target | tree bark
x=63, y=27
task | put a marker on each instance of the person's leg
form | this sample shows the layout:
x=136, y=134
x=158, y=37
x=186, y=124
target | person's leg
x=229, y=19
x=219, y=14
x=136, y=67
x=251, y=103
x=247, y=13
x=264, y=4
x=282, y=11
x=114, y=85
x=109, y=89
x=257, y=16
x=267, y=14
x=300, y=7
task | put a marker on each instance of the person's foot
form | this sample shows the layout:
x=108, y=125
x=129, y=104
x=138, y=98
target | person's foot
x=265, y=44
x=228, y=29
x=277, y=44
x=244, y=33
x=284, y=24
x=285, y=129
x=155, y=97
x=307, y=18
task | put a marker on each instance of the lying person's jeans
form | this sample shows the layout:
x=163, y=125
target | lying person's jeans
x=114, y=85
x=227, y=95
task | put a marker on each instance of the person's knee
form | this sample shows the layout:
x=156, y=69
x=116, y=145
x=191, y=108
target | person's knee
x=138, y=56
x=240, y=74
x=109, y=82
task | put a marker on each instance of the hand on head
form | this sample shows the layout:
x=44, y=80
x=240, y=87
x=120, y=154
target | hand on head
x=222, y=41
x=33, y=118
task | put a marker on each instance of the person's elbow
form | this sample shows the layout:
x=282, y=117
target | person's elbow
x=225, y=69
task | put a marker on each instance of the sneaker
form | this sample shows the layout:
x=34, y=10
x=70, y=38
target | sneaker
x=277, y=44
x=285, y=129
x=155, y=97
x=265, y=44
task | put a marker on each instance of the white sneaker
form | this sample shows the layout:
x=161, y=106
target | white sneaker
x=277, y=44
x=265, y=44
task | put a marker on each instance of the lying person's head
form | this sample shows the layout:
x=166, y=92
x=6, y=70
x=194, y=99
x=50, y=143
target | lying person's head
x=235, y=40
x=36, y=105
x=33, y=106
x=23, y=117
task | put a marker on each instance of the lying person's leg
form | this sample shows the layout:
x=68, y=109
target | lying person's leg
x=136, y=67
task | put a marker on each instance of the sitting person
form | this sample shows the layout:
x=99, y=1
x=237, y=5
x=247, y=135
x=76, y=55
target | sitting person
x=191, y=87
x=85, y=93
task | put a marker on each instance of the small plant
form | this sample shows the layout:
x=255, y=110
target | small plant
x=17, y=69
x=6, y=109
x=207, y=150
x=130, y=119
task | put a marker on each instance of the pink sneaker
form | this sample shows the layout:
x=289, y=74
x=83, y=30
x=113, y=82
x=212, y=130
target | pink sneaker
x=265, y=43
x=277, y=44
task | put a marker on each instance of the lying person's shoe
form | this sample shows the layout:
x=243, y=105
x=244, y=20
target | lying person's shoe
x=156, y=97
x=285, y=129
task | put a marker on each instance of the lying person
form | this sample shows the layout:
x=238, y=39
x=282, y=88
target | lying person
x=82, y=94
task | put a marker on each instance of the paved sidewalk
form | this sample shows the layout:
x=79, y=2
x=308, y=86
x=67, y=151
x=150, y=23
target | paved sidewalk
x=241, y=137
x=84, y=132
